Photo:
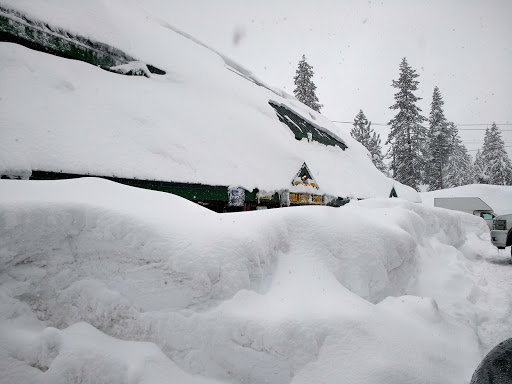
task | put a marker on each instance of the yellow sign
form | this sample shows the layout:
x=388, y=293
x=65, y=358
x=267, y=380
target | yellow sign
x=304, y=198
x=305, y=183
x=318, y=200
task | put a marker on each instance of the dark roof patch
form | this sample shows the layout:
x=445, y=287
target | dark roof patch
x=15, y=27
x=302, y=128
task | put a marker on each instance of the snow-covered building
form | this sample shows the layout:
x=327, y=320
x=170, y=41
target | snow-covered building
x=195, y=123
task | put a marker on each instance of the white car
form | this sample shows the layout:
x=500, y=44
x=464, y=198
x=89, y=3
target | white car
x=501, y=234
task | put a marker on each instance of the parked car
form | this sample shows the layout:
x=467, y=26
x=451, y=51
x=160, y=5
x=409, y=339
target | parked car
x=501, y=234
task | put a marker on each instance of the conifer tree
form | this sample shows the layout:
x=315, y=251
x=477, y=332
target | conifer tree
x=305, y=89
x=364, y=133
x=497, y=164
x=438, y=144
x=407, y=135
x=479, y=169
x=459, y=170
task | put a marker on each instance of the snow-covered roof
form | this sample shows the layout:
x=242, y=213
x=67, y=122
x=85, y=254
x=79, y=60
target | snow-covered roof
x=207, y=120
x=499, y=197
x=462, y=203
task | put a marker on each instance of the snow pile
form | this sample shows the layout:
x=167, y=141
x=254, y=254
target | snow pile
x=206, y=121
x=138, y=285
x=82, y=354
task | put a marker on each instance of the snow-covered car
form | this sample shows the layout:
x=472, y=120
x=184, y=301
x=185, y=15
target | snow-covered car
x=472, y=205
x=501, y=234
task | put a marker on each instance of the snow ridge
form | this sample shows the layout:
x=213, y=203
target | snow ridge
x=247, y=297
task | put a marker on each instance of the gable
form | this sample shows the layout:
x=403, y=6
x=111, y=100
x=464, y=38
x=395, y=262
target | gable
x=304, y=177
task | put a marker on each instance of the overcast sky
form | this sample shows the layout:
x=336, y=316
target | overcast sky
x=355, y=47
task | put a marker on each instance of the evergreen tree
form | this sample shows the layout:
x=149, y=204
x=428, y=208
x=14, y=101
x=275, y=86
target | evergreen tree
x=497, y=165
x=364, y=133
x=438, y=144
x=304, y=87
x=407, y=135
x=459, y=170
x=479, y=169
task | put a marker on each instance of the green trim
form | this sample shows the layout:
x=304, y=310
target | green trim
x=189, y=191
x=251, y=196
x=268, y=199
x=17, y=28
x=214, y=197
x=335, y=201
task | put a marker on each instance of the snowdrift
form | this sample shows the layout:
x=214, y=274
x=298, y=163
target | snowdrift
x=105, y=283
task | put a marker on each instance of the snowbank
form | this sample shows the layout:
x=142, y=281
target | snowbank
x=378, y=291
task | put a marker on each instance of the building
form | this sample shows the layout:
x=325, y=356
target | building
x=190, y=122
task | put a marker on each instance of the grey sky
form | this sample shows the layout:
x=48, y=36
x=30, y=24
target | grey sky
x=355, y=47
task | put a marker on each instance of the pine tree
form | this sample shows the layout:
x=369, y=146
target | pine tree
x=407, y=135
x=459, y=170
x=497, y=165
x=364, y=133
x=304, y=87
x=438, y=144
x=479, y=169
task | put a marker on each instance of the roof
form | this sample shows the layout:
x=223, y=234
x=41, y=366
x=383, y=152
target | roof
x=462, y=203
x=304, y=129
x=206, y=120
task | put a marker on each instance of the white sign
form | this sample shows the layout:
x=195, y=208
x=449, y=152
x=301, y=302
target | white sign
x=236, y=197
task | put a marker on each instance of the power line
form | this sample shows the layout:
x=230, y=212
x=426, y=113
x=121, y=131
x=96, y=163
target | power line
x=460, y=129
x=473, y=143
x=474, y=150
x=351, y=122
x=464, y=125
x=458, y=125
x=481, y=129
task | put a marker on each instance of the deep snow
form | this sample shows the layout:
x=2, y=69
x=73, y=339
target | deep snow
x=103, y=283
x=377, y=291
